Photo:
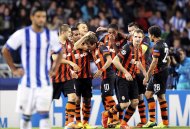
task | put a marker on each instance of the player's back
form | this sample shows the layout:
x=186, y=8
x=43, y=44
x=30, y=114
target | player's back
x=160, y=49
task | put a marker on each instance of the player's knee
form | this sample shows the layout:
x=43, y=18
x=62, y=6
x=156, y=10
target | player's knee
x=78, y=100
x=148, y=95
x=161, y=98
x=72, y=97
x=26, y=117
x=134, y=103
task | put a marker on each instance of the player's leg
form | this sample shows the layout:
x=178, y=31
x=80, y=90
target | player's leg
x=87, y=95
x=107, y=87
x=69, y=91
x=43, y=102
x=151, y=104
x=133, y=96
x=25, y=104
x=141, y=105
x=161, y=86
x=79, y=89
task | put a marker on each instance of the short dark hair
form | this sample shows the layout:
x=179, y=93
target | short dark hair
x=133, y=24
x=74, y=28
x=155, y=30
x=113, y=26
x=37, y=9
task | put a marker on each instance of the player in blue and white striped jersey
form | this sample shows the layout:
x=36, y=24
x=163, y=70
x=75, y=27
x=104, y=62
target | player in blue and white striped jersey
x=35, y=88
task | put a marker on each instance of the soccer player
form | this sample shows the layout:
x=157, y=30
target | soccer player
x=126, y=62
x=103, y=60
x=84, y=82
x=114, y=41
x=145, y=58
x=157, y=74
x=35, y=88
x=63, y=81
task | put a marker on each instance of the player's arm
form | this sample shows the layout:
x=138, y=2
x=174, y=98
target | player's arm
x=80, y=43
x=7, y=55
x=104, y=50
x=13, y=43
x=64, y=61
x=155, y=55
x=140, y=66
x=56, y=63
x=117, y=61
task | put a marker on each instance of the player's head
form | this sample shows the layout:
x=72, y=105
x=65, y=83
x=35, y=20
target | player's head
x=182, y=54
x=91, y=42
x=113, y=29
x=131, y=27
x=65, y=31
x=82, y=27
x=154, y=32
x=38, y=16
x=75, y=34
x=137, y=37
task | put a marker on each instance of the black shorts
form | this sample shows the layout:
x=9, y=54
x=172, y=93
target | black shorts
x=127, y=90
x=84, y=87
x=66, y=88
x=157, y=82
x=107, y=87
x=141, y=87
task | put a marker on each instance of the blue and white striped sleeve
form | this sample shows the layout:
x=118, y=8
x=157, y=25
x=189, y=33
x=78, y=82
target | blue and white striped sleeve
x=14, y=42
x=55, y=45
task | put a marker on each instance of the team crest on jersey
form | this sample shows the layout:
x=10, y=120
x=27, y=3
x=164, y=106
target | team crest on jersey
x=118, y=43
x=123, y=52
x=123, y=97
x=96, y=52
x=77, y=56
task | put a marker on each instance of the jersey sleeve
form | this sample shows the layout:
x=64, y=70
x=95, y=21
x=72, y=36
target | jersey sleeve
x=156, y=51
x=104, y=50
x=14, y=42
x=54, y=43
x=124, y=52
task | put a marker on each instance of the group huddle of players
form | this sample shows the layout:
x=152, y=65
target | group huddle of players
x=127, y=64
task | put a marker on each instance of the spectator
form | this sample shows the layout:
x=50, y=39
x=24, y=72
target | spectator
x=156, y=19
x=89, y=10
x=177, y=21
x=183, y=70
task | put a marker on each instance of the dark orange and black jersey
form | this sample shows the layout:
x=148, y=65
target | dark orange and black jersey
x=100, y=57
x=128, y=55
x=63, y=73
x=82, y=59
x=119, y=42
x=146, y=57
x=160, y=51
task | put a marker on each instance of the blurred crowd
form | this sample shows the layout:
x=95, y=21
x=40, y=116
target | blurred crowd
x=173, y=16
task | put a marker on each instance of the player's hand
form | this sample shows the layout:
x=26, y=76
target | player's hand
x=75, y=67
x=111, y=38
x=89, y=33
x=145, y=80
x=18, y=72
x=52, y=73
x=74, y=75
x=97, y=74
x=101, y=29
x=128, y=76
